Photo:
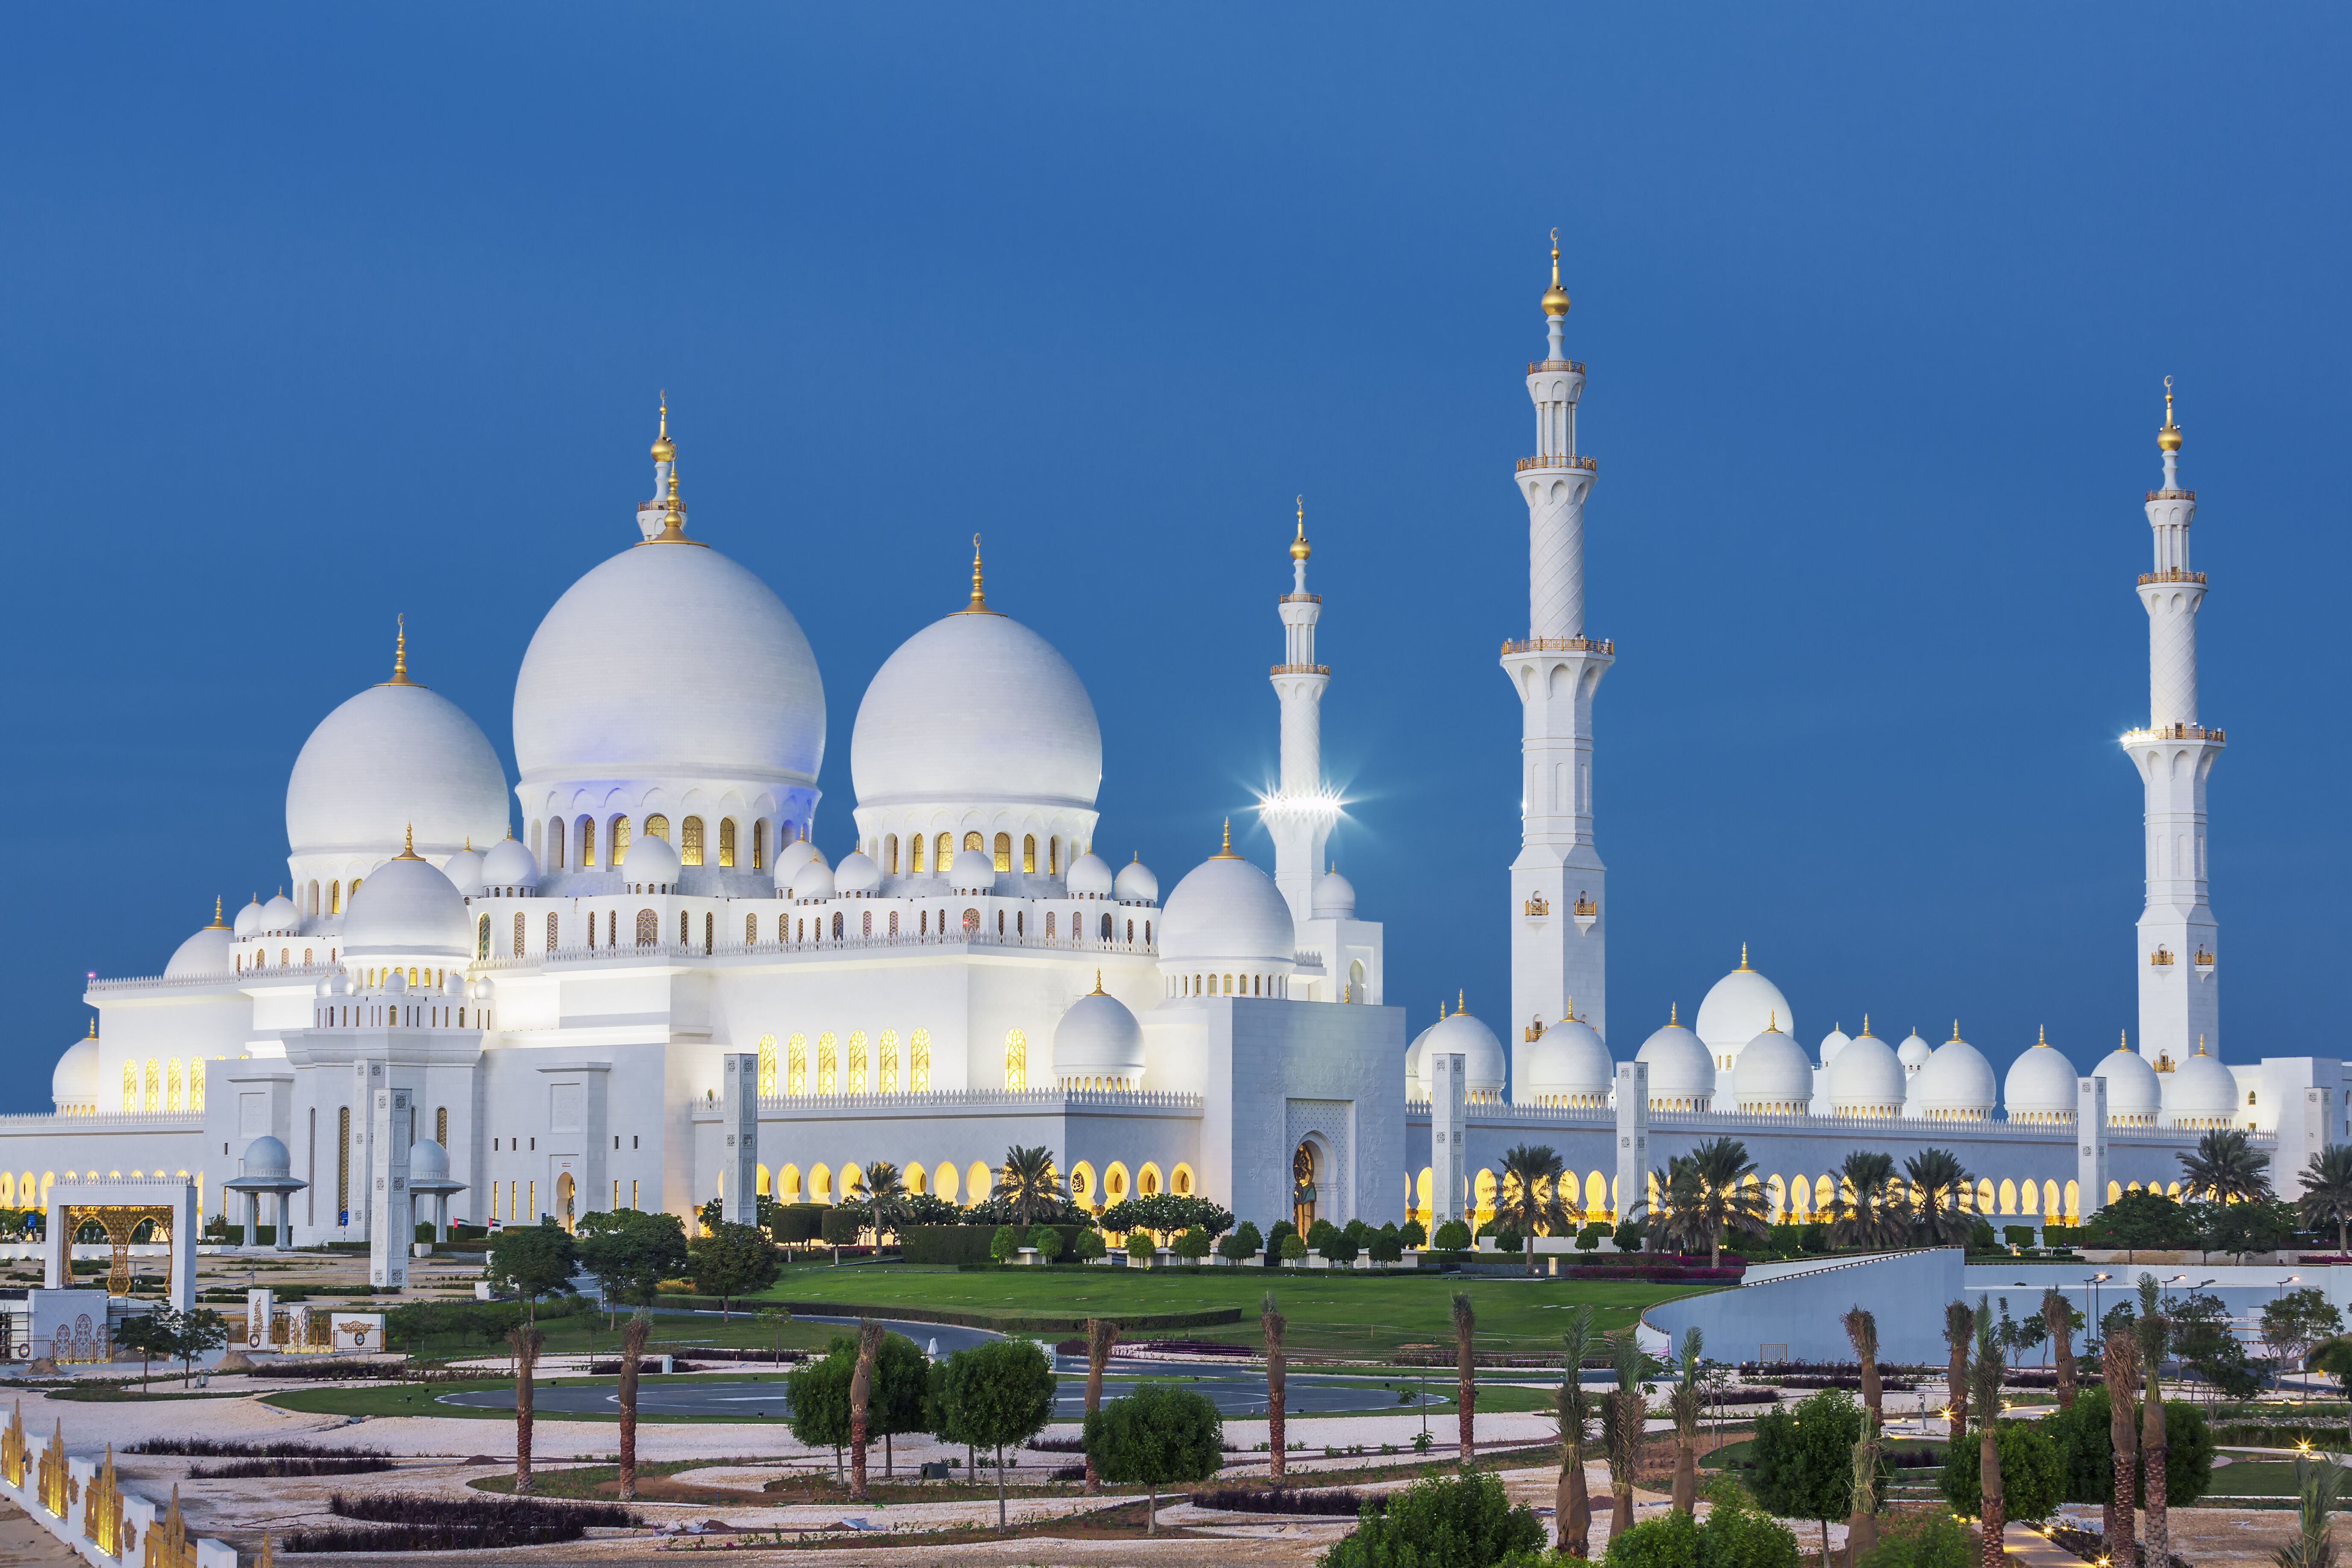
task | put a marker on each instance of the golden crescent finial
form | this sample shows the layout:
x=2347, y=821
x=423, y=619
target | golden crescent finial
x=400, y=653
x=979, y=605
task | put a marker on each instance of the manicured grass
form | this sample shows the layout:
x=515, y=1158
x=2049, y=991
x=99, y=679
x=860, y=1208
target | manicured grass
x=677, y=1333
x=1328, y=1313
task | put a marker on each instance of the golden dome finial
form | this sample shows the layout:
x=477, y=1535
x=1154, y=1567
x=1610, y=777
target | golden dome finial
x=1865, y=1023
x=1298, y=547
x=217, y=922
x=1743, y=955
x=663, y=450
x=1772, y=1021
x=2201, y=1044
x=1555, y=299
x=979, y=605
x=400, y=653
x=1098, y=990
x=1460, y=1005
x=673, y=516
x=93, y=1026
x=1225, y=851
x=408, y=846
x=2168, y=438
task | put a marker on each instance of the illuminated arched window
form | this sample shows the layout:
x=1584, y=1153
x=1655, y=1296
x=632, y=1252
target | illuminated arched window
x=1049, y=925
x=587, y=842
x=617, y=840
x=918, y=1062
x=1106, y=927
x=975, y=841
x=172, y=1084
x=1053, y=856
x=890, y=853
x=1016, y=1060
x=482, y=937
x=551, y=933
x=970, y=922
x=154, y=1095
x=657, y=827
x=796, y=1065
x=915, y=854
x=726, y=841
x=649, y=928
x=867, y=927
x=689, y=842
x=521, y=932
x=886, y=1058
x=767, y=1067
x=894, y=922
x=1029, y=852
x=829, y=1064
x=946, y=847
x=335, y=897
x=1004, y=851
x=836, y=925
x=758, y=846
x=196, y=1084
x=857, y=1078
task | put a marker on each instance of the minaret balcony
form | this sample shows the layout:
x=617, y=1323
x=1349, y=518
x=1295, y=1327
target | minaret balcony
x=1560, y=645
x=2148, y=577
x=2172, y=495
x=1300, y=599
x=1559, y=460
x=1573, y=366
x=2175, y=732
x=1300, y=669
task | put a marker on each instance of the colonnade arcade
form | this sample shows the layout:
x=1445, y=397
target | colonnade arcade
x=972, y=1183
x=1798, y=1198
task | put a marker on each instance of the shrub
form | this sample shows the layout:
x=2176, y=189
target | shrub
x=1628, y=1237
x=840, y=1227
x=408, y=1522
x=219, y=1449
x=2032, y=1475
x=1140, y=1246
x=2017, y=1235
x=1319, y=1235
x=1193, y=1244
x=2086, y=1454
x=1737, y=1536
x=1089, y=1247
x=1340, y=1503
x=1441, y=1522
x=260, y=1470
x=1048, y=1242
x=1670, y=1541
x=1454, y=1236
x=1931, y=1540
x=1509, y=1239
x=1589, y=1238
x=1294, y=1249
x=1339, y=1247
x=1413, y=1233
x=1387, y=1248
x=1007, y=1241
x=1240, y=1244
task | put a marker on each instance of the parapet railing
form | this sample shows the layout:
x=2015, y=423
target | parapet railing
x=2171, y=576
x=2172, y=733
x=1559, y=460
x=1815, y=1126
x=233, y=977
x=1559, y=645
x=110, y=1121
x=669, y=951
x=992, y=1099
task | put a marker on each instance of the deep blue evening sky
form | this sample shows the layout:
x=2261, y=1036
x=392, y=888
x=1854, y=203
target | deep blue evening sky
x=310, y=315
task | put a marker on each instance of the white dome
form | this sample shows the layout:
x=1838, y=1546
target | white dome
x=791, y=858
x=1089, y=876
x=1567, y=1064
x=1956, y=1084
x=856, y=874
x=207, y=955
x=407, y=908
x=1416, y=1076
x=1832, y=1043
x=1774, y=1075
x=2200, y=1092
x=1099, y=1038
x=1483, y=1065
x=1334, y=897
x=2040, y=1086
x=1681, y=1069
x=668, y=661
x=395, y=981
x=1135, y=884
x=76, y=1079
x=248, y=921
x=1865, y=1078
x=427, y=1162
x=395, y=761
x=1912, y=1053
x=973, y=870
x=2135, y=1098
x=1226, y=909
x=651, y=862
x=813, y=881
x=464, y=870
x=976, y=708
x=1738, y=1008
x=266, y=1157
x=510, y=865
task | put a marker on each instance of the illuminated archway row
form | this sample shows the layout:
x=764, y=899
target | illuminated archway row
x=826, y=1185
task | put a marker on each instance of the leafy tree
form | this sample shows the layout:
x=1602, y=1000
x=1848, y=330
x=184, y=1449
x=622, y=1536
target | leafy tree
x=996, y=1393
x=1239, y=1246
x=1868, y=1210
x=2226, y=1167
x=1413, y=1233
x=1734, y=1536
x=1294, y=1249
x=1341, y=1246
x=194, y=1331
x=1387, y=1247
x=1321, y=1235
x=534, y=1261
x=733, y=1260
x=2142, y=1219
x=1193, y=1244
x=1530, y=1195
x=1933, y=1538
x=1452, y=1236
x=1722, y=1197
x=1007, y=1241
x=1628, y=1236
x=630, y=1253
x=2034, y=1473
x=885, y=1198
x=1274, y=1253
x=2086, y=1442
x=930, y=1208
x=150, y=1334
x=2253, y=1224
x=2327, y=1192
x=2298, y=1320
x=2197, y=1330
x=1802, y=1454
x=1141, y=1249
x=1444, y=1522
x=1089, y=1247
x=1159, y=1435
x=1673, y=1539
x=1027, y=1181
x=1048, y=1242
x=1941, y=1196
x=841, y=1225
x=1168, y=1213
x=819, y=1391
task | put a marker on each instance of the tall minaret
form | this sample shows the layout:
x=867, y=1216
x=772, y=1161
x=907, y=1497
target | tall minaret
x=1301, y=813
x=2179, y=996
x=1557, y=935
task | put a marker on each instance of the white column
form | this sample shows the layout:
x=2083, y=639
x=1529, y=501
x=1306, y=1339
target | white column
x=1301, y=816
x=1633, y=1138
x=738, y=1079
x=2090, y=1147
x=391, y=1217
x=1448, y=1106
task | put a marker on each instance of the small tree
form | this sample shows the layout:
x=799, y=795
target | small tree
x=2296, y=1321
x=1139, y=1248
x=1006, y=1241
x=1452, y=1236
x=1028, y=1182
x=1571, y=1506
x=150, y=1334
x=630, y=1253
x=1157, y=1435
x=998, y=1394
x=534, y=1261
x=2032, y=1479
x=1804, y=1458
x=1294, y=1249
x=1277, y=1370
x=1193, y=1244
x=733, y=1260
x=819, y=1392
x=1048, y=1241
x=527, y=1340
x=1089, y=1247
x=1413, y=1233
x=194, y=1331
x=1387, y=1247
x=1442, y=1520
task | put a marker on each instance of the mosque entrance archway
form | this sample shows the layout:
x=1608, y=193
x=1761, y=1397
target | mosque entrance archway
x=566, y=1203
x=1304, y=1163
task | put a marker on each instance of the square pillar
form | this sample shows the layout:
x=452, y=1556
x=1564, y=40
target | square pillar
x=1633, y=1194
x=392, y=1217
x=1448, y=1109
x=2090, y=1148
x=739, y=1122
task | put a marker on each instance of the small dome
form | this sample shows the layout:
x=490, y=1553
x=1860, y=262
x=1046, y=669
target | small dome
x=464, y=870
x=1832, y=1043
x=339, y=983
x=248, y=921
x=1774, y=1076
x=1484, y=1067
x=280, y=917
x=1226, y=909
x=1416, y=1078
x=2135, y=1098
x=651, y=862
x=791, y=858
x=1099, y=1038
x=395, y=981
x=266, y=1157
x=510, y=865
x=207, y=956
x=1912, y=1053
x=1089, y=878
x=973, y=870
x=1135, y=884
x=407, y=908
x=856, y=874
x=2200, y=1092
x=1956, y=1084
x=76, y=1079
x=1334, y=898
x=1738, y=1008
x=2040, y=1086
x=1681, y=1069
x=813, y=881
x=1566, y=1065
x=427, y=1162
x=1864, y=1077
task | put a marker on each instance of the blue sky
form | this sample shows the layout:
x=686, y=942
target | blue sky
x=309, y=316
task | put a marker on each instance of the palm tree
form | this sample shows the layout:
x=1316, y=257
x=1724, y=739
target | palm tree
x=1868, y=1210
x=1530, y=1197
x=1941, y=1198
x=861, y=1400
x=2317, y=1480
x=1723, y=1195
x=633, y=1351
x=1960, y=1324
x=526, y=1340
x=1466, y=1368
x=885, y=1198
x=1990, y=1366
x=1621, y=1420
x=2152, y=1445
x=2327, y=1192
x=1102, y=1333
x=1027, y=1181
x=2120, y=1366
x=1684, y=1404
x=2058, y=1313
x=1862, y=1332
x=1664, y=1220
x=1270, y=1321
x=2227, y=1166
x=1572, y=1508
x=1862, y=1520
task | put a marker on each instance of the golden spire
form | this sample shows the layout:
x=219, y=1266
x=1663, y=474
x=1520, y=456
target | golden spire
x=218, y=924
x=1226, y=853
x=2041, y=1035
x=1772, y=1021
x=1298, y=547
x=1460, y=1006
x=979, y=605
x=663, y=450
x=2168, y=438
x=400, y=653
x=1743, y=956
x=1098, y=990
x=1955, y=1030
x=1674, y=1014
x=1555, y=299
x=673, y=517
x=93, y=1027
x=2123, y=1039
x=408, y=849
x=1571, y=1009
x=2201, y=1044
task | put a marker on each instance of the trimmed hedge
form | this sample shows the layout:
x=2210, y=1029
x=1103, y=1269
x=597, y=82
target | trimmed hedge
x=1008, y=1323
x=954, y=1244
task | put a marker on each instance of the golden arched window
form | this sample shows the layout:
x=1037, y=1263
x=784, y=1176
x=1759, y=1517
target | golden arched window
x=836, y=925
x=726, y=841
x=796, y=1065
x=886, y=1058
x=619, y=835
x=918, y=1062
x=973, y=841
x=890, y=854
x=482, y=937
x=829, y=1064
x=946, y=850
x=649, y=928
x=915, y=854
x=154, y=1095
x=172, y=1085
x=657, y=827
x=196, y=1084
x=758, y=846
x=689, y=842
x=551, y=933
x=767, y=1066
x=335, y=897
x=1016, y=1060
x=857, y=1061
x=1053, y=856
x=1029, y=852
x=1004, y=851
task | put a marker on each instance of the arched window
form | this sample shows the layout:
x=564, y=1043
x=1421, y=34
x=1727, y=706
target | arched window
x=616, y=839
x=796, y=1065
x=1146, y=933
x=858, y=1071
x=172, y=1085
x=1004, y=851
x=919, y=1079
x=1028, y=852
x=973, y=841
x=482, y=937
x=914, y=855
x=894, y=922
x=648, y=929
x=1130, y=931
x=890, y=853
x=710, y=931
x=836, y=925
x=999, y=922
x=767, y=1067
x=1049, y=925
x=1147, y=1182
x=1016, y=1060
x=886, y=1055
x=946, y=847
x=689, y=842
x=521, y=921
x=750, y=930
x=335, y=897
x=153, y=1100
x=867, y=917
x=551, y=933
x=726, y=841
x=829, y=1064
x=196, y=1084
x=1053, y=856
x=587, y=842
x=312, y=900
x=555, y=838
x=1106, y=927
x=760, y=846
x=657, y=827
x=685, y=929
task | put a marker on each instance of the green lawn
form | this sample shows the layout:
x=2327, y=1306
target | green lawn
x=1325, y=1313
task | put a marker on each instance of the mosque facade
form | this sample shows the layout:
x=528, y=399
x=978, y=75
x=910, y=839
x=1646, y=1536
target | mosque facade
x=630, y=978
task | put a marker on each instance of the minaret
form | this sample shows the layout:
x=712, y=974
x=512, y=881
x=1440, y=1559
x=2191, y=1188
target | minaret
x=1558, y=937
x=2179, y=998
x=1301, y=814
